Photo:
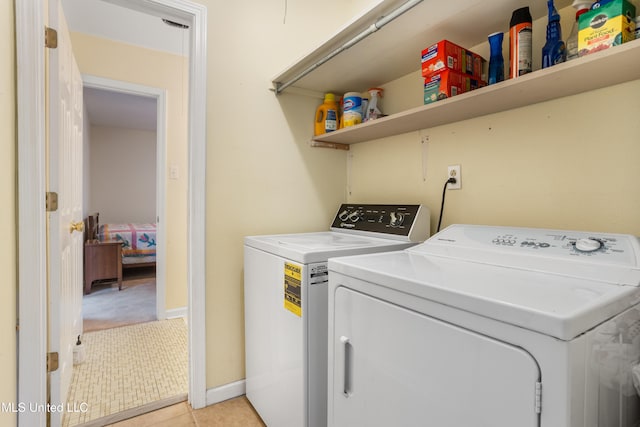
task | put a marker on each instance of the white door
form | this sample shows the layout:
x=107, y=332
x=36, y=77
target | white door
x=396, y=367
x=65, y=223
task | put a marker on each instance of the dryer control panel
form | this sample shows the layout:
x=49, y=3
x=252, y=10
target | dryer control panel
x=404, y=222
x=605, y=257
x=557, y=244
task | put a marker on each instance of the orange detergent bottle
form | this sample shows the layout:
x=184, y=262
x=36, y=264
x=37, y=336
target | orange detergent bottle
x=326, y=115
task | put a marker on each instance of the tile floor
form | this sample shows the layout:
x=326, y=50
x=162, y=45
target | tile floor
x=236, y=412
x=129, y=367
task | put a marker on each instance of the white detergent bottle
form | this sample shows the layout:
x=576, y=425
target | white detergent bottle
x=373, y=110
x=78, y=352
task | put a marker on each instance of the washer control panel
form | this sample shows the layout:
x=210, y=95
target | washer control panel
x=398, y=220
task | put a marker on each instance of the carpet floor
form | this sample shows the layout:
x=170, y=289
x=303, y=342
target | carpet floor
x=107, y=307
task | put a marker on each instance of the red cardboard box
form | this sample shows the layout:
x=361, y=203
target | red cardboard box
x=446, y=84
x=445, y=55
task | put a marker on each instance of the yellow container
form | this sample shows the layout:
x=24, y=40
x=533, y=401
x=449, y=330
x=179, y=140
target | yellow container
x=326, y=115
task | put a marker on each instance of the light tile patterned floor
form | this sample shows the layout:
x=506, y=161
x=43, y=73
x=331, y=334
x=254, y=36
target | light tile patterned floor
x=236, y=412
x=128, y=367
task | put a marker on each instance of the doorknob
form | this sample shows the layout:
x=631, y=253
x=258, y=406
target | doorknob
x=76, y=226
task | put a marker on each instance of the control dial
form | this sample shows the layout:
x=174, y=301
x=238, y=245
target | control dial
x=355, y=216
x=396, y=219
x=588, y=244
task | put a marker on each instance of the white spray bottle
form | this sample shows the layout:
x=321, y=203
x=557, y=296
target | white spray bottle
x=373, y=110
x=581, y=7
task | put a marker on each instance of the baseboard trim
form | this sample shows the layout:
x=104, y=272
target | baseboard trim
x=225, y=392
x=176, y=312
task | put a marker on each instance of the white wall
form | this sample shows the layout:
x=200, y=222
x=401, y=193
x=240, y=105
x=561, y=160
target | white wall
x=122, y=174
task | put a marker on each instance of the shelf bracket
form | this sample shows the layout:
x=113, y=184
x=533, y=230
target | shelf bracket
x=335, y=145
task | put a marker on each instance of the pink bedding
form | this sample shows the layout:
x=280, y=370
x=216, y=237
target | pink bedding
x=138, y=240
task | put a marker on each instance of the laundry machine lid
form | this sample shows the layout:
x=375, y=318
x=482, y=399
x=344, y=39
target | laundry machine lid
x=529, y=290
x=320, y=246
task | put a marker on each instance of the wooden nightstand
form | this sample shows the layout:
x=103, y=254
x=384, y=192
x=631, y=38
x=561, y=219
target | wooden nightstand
x=102, y=261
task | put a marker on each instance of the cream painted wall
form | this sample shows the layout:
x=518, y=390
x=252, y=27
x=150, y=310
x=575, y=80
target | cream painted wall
x=571, y=163
x=527, y=167
x=123, y=174
x=8, y=219
x=119, y=61
x=262, y=176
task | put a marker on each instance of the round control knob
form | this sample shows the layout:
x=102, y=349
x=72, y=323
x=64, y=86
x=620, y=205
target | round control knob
x=355, y=216
x=396, y=219
x=588, y=245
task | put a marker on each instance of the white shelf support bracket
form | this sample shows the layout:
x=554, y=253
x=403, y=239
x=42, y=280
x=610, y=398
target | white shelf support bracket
x=424, y=146
x=349, y=166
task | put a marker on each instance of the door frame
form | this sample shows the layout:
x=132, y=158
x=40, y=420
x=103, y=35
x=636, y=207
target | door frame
x=32, y=235
x=160, y=96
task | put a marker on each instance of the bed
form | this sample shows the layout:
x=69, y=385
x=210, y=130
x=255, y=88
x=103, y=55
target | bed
x=110, y=248
x=138, y=240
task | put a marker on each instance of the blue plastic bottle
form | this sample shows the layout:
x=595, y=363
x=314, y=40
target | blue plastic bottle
x=496, y=60
x=554, y=51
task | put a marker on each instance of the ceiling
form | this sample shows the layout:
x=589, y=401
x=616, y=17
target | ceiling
x=117, y=109
x=110, y=21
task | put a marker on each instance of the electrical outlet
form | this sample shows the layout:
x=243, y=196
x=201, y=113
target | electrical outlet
x=454, y=172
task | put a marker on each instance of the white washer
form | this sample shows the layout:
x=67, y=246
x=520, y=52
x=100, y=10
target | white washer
x=285, y=290
x=487, y=327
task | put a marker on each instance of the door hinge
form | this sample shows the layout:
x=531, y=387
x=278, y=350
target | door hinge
x=52, y=201
x=538, y=402
x=50, y=38
x=52, y=361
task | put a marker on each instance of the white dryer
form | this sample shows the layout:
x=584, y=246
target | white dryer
x=487, y=327
x=285, y=294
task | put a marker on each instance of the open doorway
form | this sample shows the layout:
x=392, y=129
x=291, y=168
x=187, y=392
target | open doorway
x=119, y=182
x=32, y=254
x=141, y=355
x=125, y=194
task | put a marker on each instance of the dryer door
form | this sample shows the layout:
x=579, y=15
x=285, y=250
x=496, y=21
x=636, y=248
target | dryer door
x=396, y=367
